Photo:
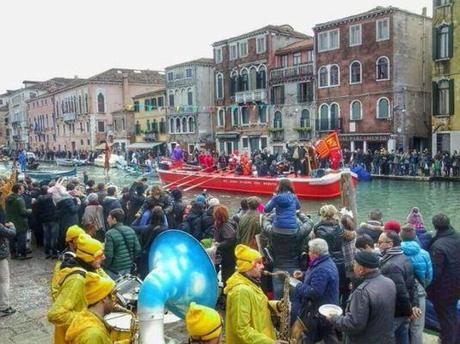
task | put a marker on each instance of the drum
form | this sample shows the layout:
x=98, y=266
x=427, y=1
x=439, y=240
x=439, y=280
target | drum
x=127, y=290
x=120, y=325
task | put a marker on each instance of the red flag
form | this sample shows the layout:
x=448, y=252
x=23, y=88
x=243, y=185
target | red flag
x=332, y=141
x=107, y=156
x=322, y=148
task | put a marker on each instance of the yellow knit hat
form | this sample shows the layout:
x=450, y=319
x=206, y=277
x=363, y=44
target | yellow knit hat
x=245, y=257
x=88, y=249
x=73, y=232
x=203, y=323
x=97, y=287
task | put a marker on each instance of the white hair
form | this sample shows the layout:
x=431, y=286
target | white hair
x=318, y=246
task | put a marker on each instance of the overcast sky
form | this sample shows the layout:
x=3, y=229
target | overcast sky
x=50, y=38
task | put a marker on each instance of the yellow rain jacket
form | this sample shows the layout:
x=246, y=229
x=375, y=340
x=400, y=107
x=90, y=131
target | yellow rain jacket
x=88, y=328
x=248, y=317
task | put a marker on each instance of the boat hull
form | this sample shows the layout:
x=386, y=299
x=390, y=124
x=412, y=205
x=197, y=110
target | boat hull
x=49, y=175
x=306, y=188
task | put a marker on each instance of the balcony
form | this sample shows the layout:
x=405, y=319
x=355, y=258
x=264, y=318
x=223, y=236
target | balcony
x=150, y=136
x=329, y=124
x=67, y=117
x=251, y=96
x=284, y=73
x=277, y=134
x=305, y=133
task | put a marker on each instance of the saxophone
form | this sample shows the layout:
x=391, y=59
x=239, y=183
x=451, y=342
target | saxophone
x=284, y=333
x=134, y=323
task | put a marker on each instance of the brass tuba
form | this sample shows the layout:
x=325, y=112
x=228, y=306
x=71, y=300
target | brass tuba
x=180, y=273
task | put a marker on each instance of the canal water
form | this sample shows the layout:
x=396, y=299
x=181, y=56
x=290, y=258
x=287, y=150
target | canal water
x=394, y=198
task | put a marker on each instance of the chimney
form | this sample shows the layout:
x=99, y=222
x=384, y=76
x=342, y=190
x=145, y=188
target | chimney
x=125, y=90
x=75, y=76
x=424, y=11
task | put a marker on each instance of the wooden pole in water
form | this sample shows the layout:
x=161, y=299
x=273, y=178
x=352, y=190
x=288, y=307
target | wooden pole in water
x=348, y=194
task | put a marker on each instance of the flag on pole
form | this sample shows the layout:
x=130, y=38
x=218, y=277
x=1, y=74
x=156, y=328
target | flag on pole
x=322, y=148
x=332, y=141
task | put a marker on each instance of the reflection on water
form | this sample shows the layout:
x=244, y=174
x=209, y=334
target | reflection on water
x=395, y=198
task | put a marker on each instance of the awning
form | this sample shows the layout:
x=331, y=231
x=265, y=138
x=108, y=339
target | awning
x=102, y=146
x=144, y=145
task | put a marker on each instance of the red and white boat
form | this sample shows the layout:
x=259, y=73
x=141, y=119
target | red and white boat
x=324, y=187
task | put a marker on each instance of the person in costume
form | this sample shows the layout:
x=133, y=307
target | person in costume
x=204, y=325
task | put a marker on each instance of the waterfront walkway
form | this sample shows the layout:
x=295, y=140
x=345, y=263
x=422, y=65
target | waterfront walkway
x=416, y=178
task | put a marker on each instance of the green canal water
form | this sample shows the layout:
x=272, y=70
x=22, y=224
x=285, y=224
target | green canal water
x=394, y=198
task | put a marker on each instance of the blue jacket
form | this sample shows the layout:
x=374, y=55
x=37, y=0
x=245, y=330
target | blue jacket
x=420, y=260
x=320, y=285
x=285, y=204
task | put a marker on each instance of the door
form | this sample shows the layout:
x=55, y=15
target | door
x=254, y=143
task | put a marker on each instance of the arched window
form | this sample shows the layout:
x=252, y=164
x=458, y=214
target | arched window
x=80, y=110
x=86, y=103
x=334, y=114
x=219, y=86
x=262, y=113
x=324, y=117
x=190, y=97
x=184, y=125
x=148, y=125
x=244, y=80
x=171, y=125
x=221, y=118
x=100, y=103
x=323, y=77
x=191, y=126
x=383, y=108
x=233, y=83
x=383, y=68
x=235, y=117
x=155, y=126
x=178, y=125
x=305, y=119
x=261, y=77
x=277, y=120
x=334, y=76
x=355, y=72
x=138, y=128
x=355, y=110
x=253, y=78
x=162, y=126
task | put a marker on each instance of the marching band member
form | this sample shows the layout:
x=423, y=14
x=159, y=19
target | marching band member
x=70, y=297
x=88, y=326
x=204, y=325
x=248, y=311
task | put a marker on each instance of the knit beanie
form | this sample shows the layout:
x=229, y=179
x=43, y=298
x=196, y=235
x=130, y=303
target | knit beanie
x=367, y=259
x=393, y=225
x=245, y=257
x=203, y=323
x=213, y=202
x=200, y=199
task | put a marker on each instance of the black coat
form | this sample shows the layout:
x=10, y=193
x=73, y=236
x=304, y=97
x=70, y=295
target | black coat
x=445, y=257
x=46, y=209
x=396, y=266
x=67, y=210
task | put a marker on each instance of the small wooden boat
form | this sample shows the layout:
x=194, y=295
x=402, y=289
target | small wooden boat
x=70, y=162
x=325, y=187
x=113, y=161
x=50, y=175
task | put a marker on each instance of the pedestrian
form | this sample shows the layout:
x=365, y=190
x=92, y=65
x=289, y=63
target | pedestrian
x=444, y=290
x=369, y=315
x=88, y=326
x=93, y=218
x=373, y=227
x=47, y=216
x=250, y=224
x=204, y=325
x=17, y=214
x=110, y=201
x=415, y=219
x=396, y=266
x=122, y=246
x=248, y=311
x=7, y=232
x=320, y=286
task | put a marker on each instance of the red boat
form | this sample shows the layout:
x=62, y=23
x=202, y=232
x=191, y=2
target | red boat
x=324, y=187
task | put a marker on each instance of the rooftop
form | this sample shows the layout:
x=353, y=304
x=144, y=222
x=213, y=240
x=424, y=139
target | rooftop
x=297, y=46
x=151, y=93
x=135, y=76
x=379, y=10
x=201, y=61
x=285, y=29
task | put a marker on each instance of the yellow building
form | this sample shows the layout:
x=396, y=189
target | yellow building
x=446, y=76
x=150, y=119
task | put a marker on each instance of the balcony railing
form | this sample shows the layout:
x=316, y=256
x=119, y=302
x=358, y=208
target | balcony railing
x=291, y=72
x=329, y=124
x=277, y=134
x=251, y=96
x=17, y=137
x=150, y=136
x=69, y=116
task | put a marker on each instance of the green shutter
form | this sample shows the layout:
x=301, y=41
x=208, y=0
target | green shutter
x=451, y=97
x=282, y=94
x=272, y=95
x=299, y=93
x=435, y=44
x=451, y=40
x=435, y=100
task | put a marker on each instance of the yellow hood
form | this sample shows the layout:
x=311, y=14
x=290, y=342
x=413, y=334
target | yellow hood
x=84, y=320
x=238, y=279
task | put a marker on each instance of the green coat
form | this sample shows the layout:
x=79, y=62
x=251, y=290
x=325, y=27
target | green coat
x=17, y=212
x=117, y=255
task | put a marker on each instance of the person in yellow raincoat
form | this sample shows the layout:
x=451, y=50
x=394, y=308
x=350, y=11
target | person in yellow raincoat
x=248, y=311
x=6, y=185
x=88, y=326
x=71, y=236
x=70, y=297
x=204, y=325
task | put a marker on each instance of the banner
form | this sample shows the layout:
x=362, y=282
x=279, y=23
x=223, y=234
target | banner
x=332, y=141
x=322, y=149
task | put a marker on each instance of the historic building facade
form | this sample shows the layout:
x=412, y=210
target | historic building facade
x=292, y=85
x=84, y=111
x=4, y=130
x=373, y=73
x=446, y=76
x=242, y=87
x=190, y=95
